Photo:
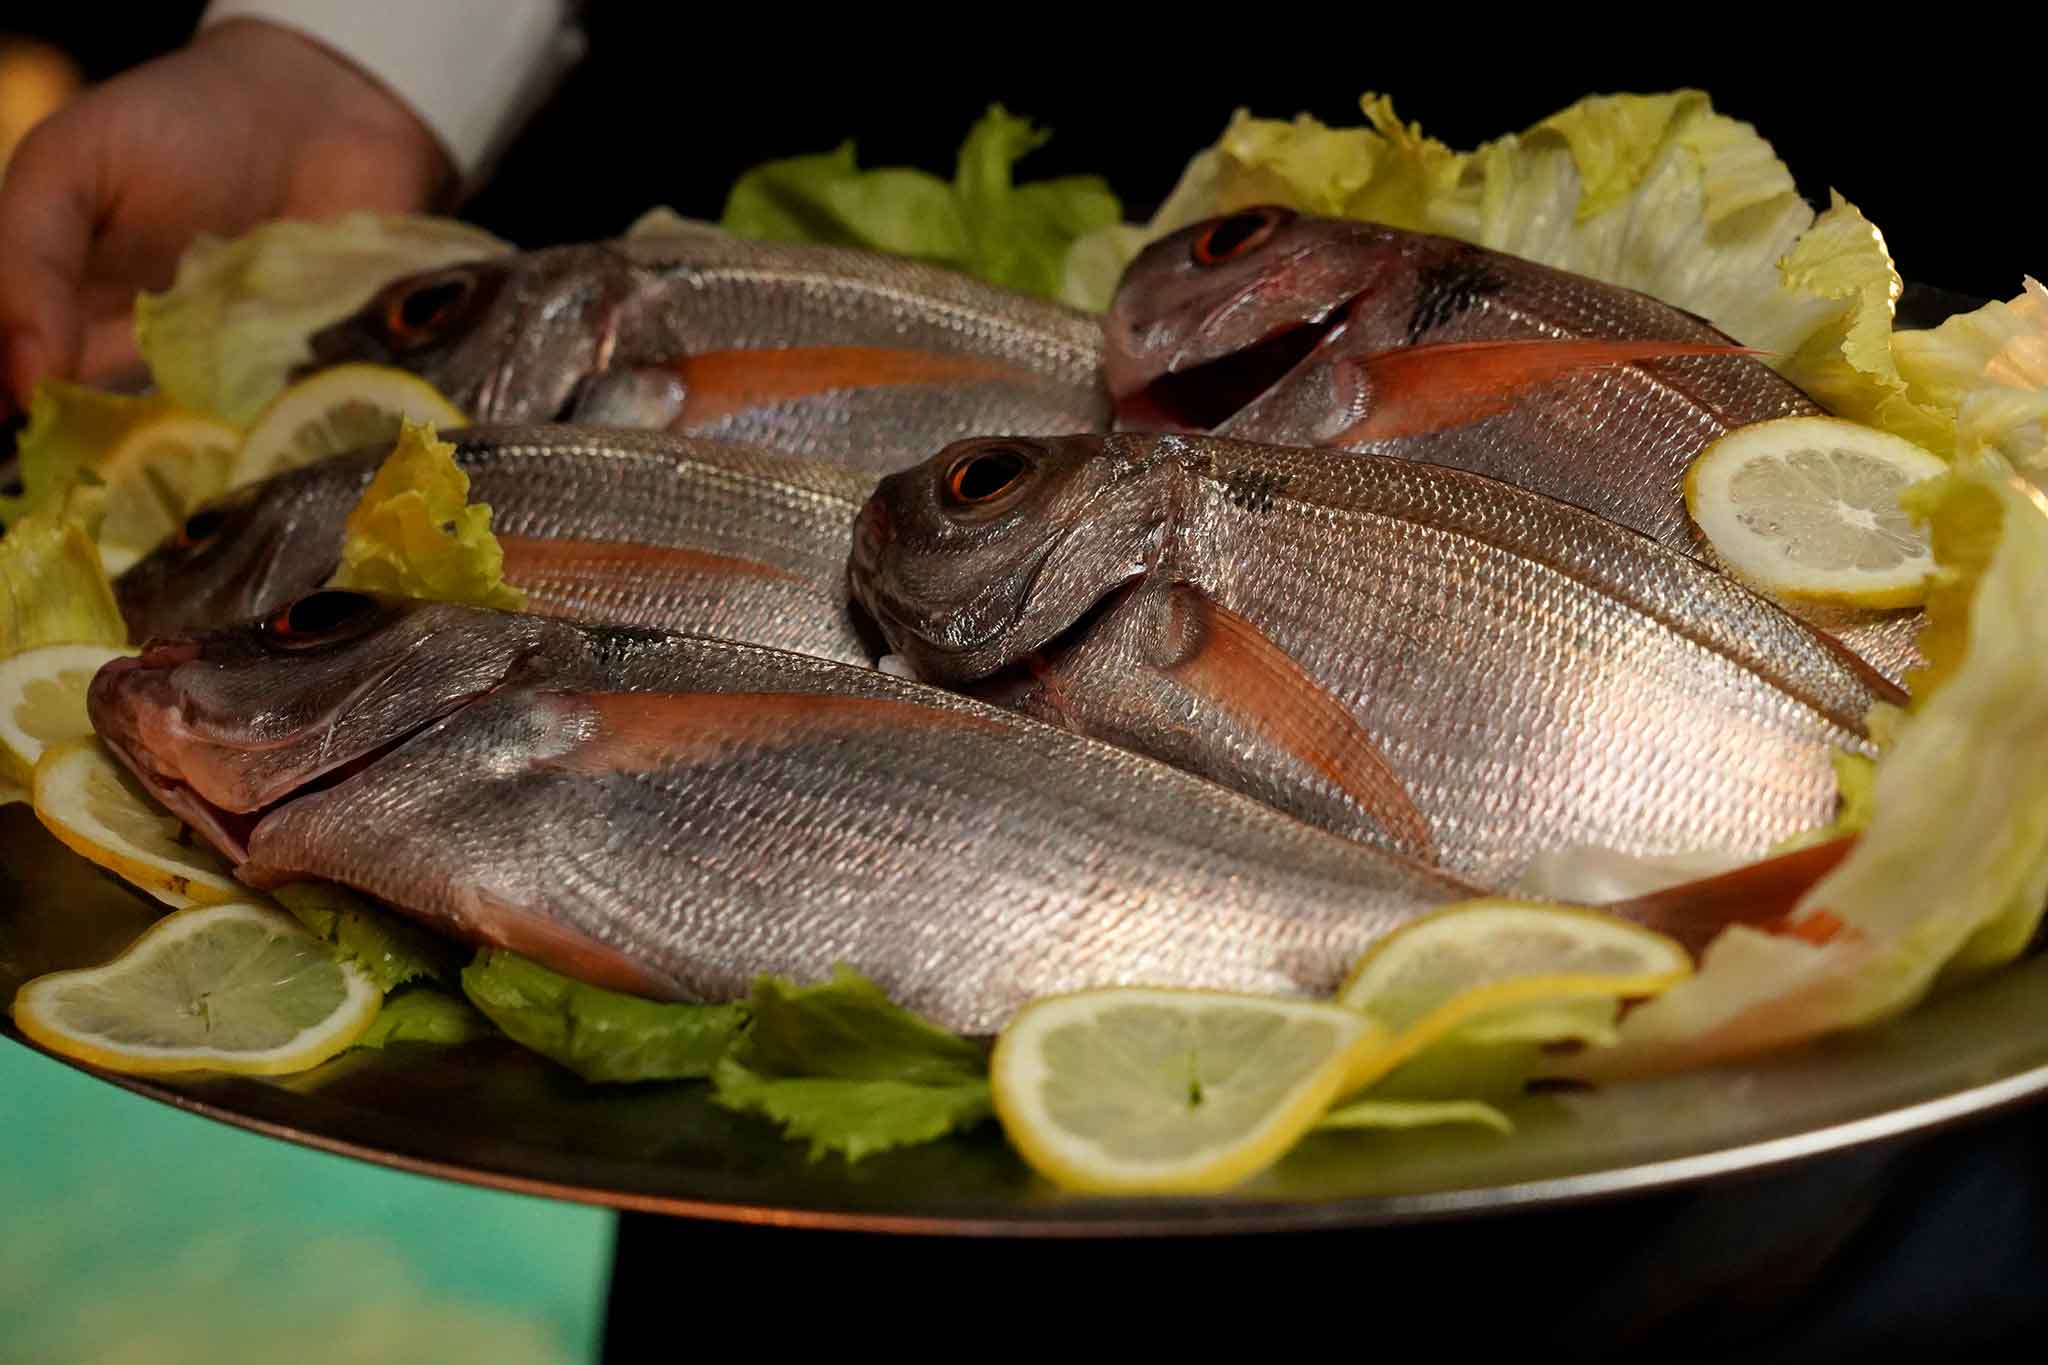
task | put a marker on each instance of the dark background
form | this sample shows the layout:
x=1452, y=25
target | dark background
x=1930, y=133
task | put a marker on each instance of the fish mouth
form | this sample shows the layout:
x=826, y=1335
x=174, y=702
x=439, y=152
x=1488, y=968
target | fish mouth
x=118, y=720
x=1204, y=395
x=230, y=831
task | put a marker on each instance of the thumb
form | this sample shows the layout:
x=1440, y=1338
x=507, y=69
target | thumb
x=47, y=212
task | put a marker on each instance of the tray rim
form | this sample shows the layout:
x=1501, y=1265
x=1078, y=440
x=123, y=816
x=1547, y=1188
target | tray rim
x=1058, y=1216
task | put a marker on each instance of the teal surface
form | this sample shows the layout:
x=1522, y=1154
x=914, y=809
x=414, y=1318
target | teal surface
x=138, y=1235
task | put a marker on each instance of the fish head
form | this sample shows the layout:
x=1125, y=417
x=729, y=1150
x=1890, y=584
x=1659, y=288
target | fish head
x=224, y=726
x=1208, y=318
x=246, y=553
x=505, y=340
x=975, y=558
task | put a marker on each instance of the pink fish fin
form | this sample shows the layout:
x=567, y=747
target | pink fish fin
x=1881, y=687
x=533, y=934
x=544, y=567
x=1237, y=669
x=1760, y=895
x=720, y=384
x=1415, y=390
x=649, y=731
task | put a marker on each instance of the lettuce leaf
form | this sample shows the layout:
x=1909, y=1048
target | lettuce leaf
x=391, y=950
x=413, y=533
x=421, y=1014
x=69, y=428
x=1952, y=870
x=600, y=1035
x=1988, y=368
x=1397, y=1114
x=841, y=1066
x=53, y=590
x=663, y=221
x=983, y=222
x=1651, y=192
x=238, y=317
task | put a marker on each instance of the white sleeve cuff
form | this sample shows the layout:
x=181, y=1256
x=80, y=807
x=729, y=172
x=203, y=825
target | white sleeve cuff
x=473, y=70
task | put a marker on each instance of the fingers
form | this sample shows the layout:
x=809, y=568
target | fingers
x=48, y=207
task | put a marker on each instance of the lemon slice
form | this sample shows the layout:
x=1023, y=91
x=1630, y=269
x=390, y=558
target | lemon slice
x=1501, y=971
x=155, y=477
x=97, y=810
x=234, y=987
x=1167, y=1091
x=1808, y=508
x=42, y=701
x=344, y=408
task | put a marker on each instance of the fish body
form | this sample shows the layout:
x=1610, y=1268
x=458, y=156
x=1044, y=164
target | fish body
x=1530, y=675
x=829, y=353
x=626, y=527
x=673, y=815
x=1291, y=330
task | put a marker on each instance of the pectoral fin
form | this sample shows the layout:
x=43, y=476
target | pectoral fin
x=1415, y=390
x=1234, y=667
x=719, y=384
x=1760, y=895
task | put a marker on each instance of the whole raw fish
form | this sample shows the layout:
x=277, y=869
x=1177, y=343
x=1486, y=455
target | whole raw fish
x=1270, y=326
x=825, y=352
x=1398, y=651
x=671, y=816
x=626, y=527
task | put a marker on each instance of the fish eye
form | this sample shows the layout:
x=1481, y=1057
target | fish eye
x=199, y=528
x=985, y=473
x=416, y=312
x=1228, y=238
x=320, y=617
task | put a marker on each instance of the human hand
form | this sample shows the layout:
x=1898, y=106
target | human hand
x=247, y=122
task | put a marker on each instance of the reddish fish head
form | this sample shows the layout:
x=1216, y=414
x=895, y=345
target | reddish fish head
x=225, y=726
x=245, y=554
x=1212, y=316
x=506, y=340
x=996, y=545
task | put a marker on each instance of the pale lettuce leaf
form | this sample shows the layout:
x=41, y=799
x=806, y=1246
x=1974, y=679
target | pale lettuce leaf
x=53, y=590
x=70, y=427
x=238, y=316
x=415, y=534
x=1651, y=192
x=1398, y=1114
x=1952, y=869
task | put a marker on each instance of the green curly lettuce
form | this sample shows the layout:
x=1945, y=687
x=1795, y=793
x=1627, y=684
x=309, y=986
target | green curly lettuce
x=982, y=221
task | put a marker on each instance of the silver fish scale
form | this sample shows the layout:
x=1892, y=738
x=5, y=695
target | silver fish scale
x=846, y=297
x=661, y=490
x=966, y=859
x=866, y=429
x=1536, y=676
x=1617, y=440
